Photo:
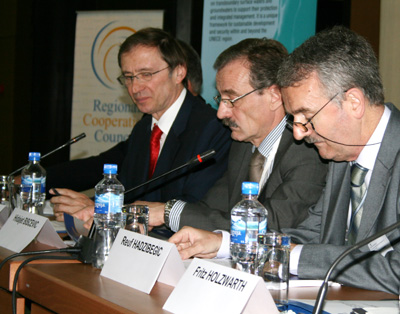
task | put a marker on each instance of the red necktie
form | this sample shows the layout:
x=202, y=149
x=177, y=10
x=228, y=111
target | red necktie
x=154, y=148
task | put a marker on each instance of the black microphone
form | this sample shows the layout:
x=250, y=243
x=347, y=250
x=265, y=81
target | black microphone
x=71, y=141
x=86, y=242
x=324, y=287
x=200, y=158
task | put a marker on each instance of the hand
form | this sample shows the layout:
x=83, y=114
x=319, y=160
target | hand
x=156, y=213
x=73, y=203
x=196, y=242
x=17, y=179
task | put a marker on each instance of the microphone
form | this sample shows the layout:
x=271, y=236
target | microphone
x=200, y=158
x=86, y=242
x=71, y=141
x=324, y=287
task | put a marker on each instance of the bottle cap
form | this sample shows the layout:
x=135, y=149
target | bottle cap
x=33, y=156
x=110, y=169
x=250, y=188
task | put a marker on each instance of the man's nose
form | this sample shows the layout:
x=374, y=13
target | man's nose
x=136, y=86
x=299, y=132
x=223, y=111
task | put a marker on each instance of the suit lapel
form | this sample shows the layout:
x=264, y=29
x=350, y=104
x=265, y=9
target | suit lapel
x=173, y=143
x=381, y=175
x=337, y=201
x=240, y=158
x=286, y=140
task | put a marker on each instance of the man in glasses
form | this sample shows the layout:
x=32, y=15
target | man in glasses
x=181, y=126
x=291, y=174
x=332, y=87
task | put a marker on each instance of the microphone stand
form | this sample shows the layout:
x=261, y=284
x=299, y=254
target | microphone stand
x=324, y=287
x=71, y=141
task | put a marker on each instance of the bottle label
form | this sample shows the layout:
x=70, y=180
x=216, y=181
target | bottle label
x=242, y=232
x=238, y=230
x=108, y=203
x=35, y=184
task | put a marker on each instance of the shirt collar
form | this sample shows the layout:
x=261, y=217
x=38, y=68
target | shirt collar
x=269, y=141
x=168, y=118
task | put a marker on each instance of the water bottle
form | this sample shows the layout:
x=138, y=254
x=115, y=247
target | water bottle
x=248, y=220
x=108, y=216
x=33, y=185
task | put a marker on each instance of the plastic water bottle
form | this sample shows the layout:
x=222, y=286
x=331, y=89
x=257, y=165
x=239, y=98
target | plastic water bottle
x=248, y=219
x=33, y=185
x=108, y=216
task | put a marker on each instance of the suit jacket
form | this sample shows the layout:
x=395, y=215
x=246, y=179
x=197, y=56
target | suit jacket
x=323, y=232
x=196, y=129
x=295, y=183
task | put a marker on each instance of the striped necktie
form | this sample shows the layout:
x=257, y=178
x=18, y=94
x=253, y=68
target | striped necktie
x=358, y=191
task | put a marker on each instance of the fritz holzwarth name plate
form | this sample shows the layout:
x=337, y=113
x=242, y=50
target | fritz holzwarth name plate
x=22, y=227
x=138, y=261
x=207, y=287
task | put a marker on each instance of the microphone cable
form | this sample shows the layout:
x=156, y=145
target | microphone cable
x=33, y=258
x=71, y=250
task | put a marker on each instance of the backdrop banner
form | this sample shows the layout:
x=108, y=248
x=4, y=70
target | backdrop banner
x=102, y=107
x=226, y=22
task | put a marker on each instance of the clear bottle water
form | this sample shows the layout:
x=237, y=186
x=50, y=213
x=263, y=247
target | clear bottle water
x=248, y=219
x=33, y=185
x=108, y=216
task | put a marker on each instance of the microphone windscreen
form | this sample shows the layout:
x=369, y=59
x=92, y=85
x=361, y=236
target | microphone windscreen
x=78, y=138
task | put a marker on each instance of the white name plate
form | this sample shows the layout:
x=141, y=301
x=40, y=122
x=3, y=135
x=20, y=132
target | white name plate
x=22, y=227
x=207, y=287
x=138, y=261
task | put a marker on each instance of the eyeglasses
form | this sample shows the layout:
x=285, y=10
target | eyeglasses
x=230, y=102
x=127, y=80
x=303, y=126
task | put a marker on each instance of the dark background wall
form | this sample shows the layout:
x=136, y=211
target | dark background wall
x=36, y=61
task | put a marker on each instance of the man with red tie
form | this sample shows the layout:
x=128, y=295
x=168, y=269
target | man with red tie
x=175, y=127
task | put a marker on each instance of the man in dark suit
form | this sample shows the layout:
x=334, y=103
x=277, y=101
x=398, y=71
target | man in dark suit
x=153, y=70
x=251, y=105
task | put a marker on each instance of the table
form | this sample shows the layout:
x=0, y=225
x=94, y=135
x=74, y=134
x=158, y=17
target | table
x=79, y=288
x=8, y=271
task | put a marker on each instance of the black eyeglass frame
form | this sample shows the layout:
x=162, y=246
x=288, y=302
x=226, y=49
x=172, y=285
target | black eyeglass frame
x=303, y=126
x=225, y=101
x=143, y=76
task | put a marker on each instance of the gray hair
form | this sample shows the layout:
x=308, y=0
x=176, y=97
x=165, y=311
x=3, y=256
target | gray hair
x=342, y=60
x=263, y=55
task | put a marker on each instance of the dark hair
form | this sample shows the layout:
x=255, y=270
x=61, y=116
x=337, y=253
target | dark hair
x=263, y=55
x=342, y=60
x=194, y=72
x=169, y=48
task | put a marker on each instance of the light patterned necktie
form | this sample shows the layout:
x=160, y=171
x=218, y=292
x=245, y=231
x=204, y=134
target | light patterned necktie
x=358, y=190
x=154, y=148
x=256, y=166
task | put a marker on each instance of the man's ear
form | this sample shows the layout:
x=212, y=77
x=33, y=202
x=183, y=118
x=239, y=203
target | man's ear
x=180, y=72
x=356, y=102
x=276, y=97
